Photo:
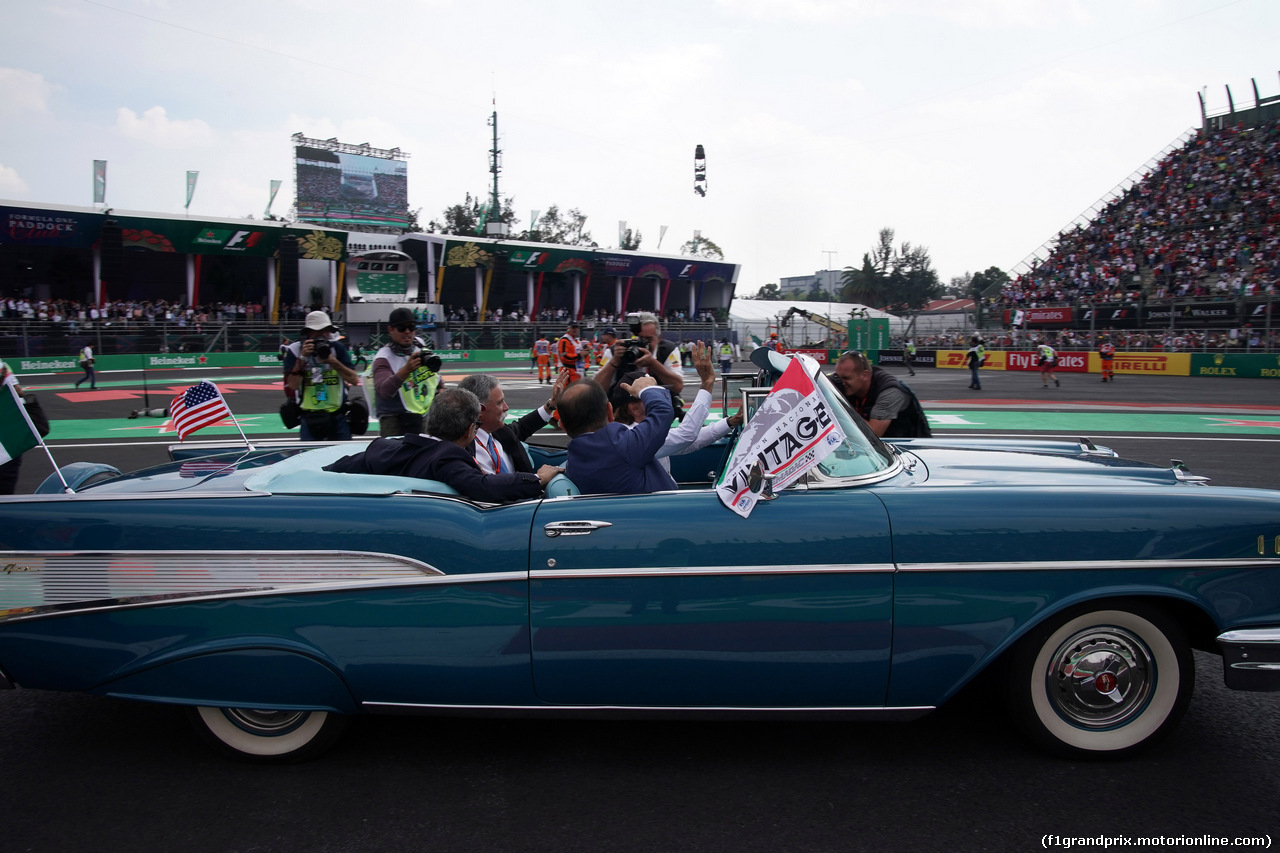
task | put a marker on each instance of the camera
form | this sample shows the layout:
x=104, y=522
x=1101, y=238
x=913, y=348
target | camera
x=430, y=360
x=321, y=349
x=635, y=347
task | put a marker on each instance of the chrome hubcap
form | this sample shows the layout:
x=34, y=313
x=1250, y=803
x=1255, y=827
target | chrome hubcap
x=1101, y=677
x=262, y=722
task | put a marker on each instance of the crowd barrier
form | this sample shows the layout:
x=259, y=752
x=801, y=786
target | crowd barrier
x=172, y=361
x=1242, y=365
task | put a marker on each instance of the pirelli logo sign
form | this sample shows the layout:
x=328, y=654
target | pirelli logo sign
x=1141, y=363
x=1169, y=364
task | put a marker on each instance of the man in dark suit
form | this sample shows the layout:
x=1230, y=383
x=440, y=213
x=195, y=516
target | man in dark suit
x=607, y=458
x=443, y=455
x=498, y=448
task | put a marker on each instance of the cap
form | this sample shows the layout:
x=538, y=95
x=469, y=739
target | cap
x=773, y=334
x=573, y=324
x=608, y=330
x=619, y=396
x=318, y=321
x=401, y=315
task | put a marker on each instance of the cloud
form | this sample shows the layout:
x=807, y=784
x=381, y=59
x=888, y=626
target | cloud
x=975, y=14
x=23, y=92
x=11, y=183
x=156, y=128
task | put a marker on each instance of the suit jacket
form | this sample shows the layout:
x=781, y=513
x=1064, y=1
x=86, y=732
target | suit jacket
x=621, y=461
x=510, y=437
x=431, y=459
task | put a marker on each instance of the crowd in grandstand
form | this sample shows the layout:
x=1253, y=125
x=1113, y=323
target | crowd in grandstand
x=318, y=183
x=140, y=311
x=1204, y=223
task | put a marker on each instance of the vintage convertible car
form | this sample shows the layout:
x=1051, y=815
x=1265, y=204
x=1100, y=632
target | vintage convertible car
x=274, y=600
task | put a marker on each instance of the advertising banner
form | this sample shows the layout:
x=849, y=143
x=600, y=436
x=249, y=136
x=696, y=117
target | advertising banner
x=1037, y=316
x=1068, y=362
x=996, y=359
x=1262, y=366
x=462, y=253
x=792, y=431
x=99, y=181
x=1169, y=364
x=351, y=189
x=24, y=226
x=818, y=355
x=923, y=358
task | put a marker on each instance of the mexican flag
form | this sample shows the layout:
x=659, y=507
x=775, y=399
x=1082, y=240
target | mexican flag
x=17, y=433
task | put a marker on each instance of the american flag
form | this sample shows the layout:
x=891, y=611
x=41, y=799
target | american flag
x=199, y=406
x=204, y=468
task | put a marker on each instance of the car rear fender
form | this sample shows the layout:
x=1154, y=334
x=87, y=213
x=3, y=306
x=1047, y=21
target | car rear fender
x=247, y=677
x=1185, y=609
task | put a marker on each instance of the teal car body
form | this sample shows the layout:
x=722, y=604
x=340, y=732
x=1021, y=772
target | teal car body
x=275, y=600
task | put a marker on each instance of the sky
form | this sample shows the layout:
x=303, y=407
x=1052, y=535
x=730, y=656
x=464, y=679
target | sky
x=976, y=128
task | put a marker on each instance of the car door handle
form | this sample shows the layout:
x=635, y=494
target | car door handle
x=573, y=528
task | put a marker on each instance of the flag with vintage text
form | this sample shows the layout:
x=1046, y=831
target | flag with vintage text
x=792, y=431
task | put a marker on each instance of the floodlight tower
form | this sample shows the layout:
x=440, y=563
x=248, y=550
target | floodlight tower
x=495, y=226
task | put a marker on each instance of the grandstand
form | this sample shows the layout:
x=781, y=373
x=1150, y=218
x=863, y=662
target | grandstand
x=1198, y=229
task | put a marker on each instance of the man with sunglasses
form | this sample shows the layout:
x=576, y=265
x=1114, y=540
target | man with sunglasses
x=405, y=377
x=443, y=455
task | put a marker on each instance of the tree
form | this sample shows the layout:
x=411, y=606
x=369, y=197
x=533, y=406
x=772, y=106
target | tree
x=554, y=227
x=701, y=247
x=768, y=291
x=892, y=280
x=467, y=219
x=630, y=240
x=992, y=278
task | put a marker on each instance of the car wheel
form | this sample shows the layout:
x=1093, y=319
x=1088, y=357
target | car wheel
x=1102, y=682
x=267, y=736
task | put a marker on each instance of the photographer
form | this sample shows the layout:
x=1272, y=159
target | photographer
x=405, y=378
x=889, y=407
x=646, y=352
x=318, y=369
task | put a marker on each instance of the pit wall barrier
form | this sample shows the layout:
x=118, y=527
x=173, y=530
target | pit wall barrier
x=178, y=361
x=1242, y=365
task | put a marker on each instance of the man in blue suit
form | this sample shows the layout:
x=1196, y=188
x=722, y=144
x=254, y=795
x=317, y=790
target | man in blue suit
x=606, y=457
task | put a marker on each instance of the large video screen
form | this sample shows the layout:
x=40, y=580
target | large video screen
x=350, y=189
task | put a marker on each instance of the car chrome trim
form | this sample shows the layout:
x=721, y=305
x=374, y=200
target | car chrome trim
x=1251, y=636
x=873, y=712
x=1092, y=565
x=43, y=583
x=676, y=571
x=17, y=614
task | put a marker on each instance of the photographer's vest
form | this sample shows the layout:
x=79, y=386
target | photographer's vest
x=911, y=422
x=324, y=396
x=726, y=352
x=414, y=394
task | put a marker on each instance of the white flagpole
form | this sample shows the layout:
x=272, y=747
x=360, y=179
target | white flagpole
x=234, y=419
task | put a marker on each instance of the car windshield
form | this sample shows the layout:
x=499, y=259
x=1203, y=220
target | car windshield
x=861, y=455
x=862, y=451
